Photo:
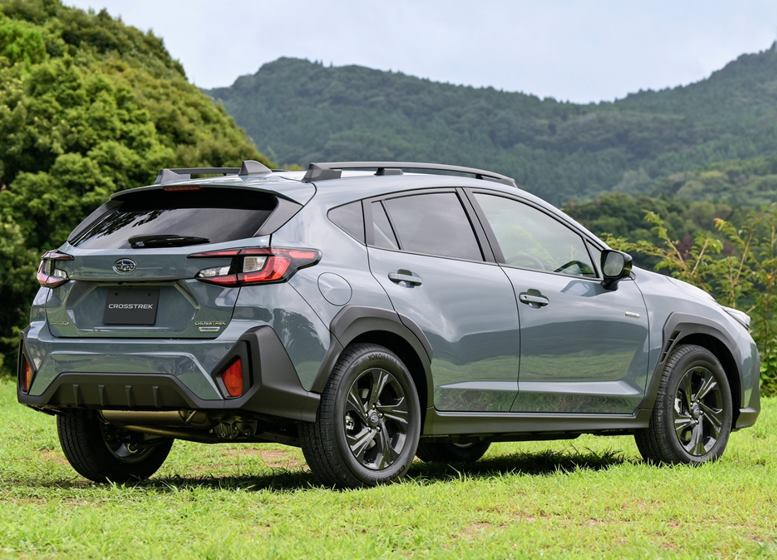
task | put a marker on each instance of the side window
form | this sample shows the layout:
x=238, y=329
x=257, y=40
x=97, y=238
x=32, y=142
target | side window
x=434, y=224
x=349, y=218
x=382, y=234
x=531, y=239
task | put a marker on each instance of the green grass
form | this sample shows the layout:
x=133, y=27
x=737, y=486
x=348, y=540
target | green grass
x=590, y=497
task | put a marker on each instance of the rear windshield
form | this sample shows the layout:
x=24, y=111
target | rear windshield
x=187, y=217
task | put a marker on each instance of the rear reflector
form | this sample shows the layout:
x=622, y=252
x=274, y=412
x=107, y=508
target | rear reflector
x=26, y=376
x=232, y=377
x=261, y=265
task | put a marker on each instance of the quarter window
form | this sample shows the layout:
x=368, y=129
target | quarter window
x=349, y=218
x=433, y=224
x=532, y=239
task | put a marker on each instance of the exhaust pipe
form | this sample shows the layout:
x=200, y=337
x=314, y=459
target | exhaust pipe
x=193, y=418
x=203, y=437
x=194, y=425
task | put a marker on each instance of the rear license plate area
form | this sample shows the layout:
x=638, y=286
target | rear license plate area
x=131, y=306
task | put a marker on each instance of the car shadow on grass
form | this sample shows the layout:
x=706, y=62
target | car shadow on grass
x=547, y=463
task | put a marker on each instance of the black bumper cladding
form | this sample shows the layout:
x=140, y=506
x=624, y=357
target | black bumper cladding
x=273, y=386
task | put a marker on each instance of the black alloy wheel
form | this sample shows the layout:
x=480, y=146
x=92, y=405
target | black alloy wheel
x=693, y=412
x=698, y=411
x=368, y=422
x=104, y=453
x=376, y=418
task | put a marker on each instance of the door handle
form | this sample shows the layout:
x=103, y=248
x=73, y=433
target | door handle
x=405, y=278
x=533, y=298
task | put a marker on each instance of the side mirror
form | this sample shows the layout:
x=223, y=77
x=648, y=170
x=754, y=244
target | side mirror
x=615, y=265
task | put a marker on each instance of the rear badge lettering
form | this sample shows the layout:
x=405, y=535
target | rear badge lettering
x=131, y=306
x=209, y=326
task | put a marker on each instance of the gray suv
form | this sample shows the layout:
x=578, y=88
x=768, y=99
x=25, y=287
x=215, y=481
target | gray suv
x=367, y=312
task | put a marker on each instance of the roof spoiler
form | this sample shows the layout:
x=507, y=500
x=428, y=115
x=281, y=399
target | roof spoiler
x=173, y=174
x=325, y=171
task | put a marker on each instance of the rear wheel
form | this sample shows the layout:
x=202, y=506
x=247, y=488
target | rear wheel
x=100, y=452
x=693, y=413
x=447, y=451
x=369, y=420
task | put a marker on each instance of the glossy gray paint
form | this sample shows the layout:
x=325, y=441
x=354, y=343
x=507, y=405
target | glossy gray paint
x=467, y=323
x=466, y=311
x=666, y=298
x=586, y=350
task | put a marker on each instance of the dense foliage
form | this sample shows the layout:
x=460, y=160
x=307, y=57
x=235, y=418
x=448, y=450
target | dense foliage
x=298, y=111
x=88, y=106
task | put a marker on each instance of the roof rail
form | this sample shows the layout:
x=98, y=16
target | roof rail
x=172, y=174
x=324, y=171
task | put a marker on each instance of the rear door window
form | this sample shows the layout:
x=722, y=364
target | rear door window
x=433, y=224
x=382, y=232
x=161, y=218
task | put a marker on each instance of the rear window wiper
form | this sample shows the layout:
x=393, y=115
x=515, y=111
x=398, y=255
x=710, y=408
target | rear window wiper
x=149, y=241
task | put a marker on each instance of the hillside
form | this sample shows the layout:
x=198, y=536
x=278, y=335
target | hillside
x=88, y=105
x=298, y=111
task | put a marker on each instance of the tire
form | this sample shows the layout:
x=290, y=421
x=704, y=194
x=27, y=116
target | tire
x=449, y=452
x=100, y=453
x=693, y=412
x=353, y=443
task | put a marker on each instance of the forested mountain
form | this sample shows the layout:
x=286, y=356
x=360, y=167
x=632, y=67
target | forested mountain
x=88, y=105
x=298, y=111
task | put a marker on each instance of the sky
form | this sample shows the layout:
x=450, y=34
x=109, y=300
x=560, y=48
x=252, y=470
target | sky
x=575, y=50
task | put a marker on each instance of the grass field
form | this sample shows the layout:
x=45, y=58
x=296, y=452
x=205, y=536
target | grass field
x=590, y=497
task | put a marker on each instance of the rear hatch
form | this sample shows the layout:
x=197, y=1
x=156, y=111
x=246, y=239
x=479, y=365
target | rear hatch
x=131, y=275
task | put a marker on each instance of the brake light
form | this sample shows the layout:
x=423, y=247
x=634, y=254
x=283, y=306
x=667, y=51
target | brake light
x=182, y=188
x=232, y=377
x=48, y=275
x=260, y=265
x=26, y=375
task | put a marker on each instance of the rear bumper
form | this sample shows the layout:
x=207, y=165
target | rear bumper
x=165, y=375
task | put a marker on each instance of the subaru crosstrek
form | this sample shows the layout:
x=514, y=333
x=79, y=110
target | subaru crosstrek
x=368, y=312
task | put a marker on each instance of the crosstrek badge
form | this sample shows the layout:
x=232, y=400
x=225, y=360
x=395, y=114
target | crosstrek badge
x=131, y=306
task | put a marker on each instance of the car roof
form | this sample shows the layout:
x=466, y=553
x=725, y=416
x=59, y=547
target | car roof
x=356, y=185
x=360, y=185
x=351, y=186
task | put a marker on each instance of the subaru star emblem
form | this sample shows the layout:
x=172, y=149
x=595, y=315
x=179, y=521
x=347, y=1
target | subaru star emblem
x=124, y=265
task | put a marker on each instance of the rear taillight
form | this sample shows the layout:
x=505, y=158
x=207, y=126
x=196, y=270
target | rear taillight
x=262, y=265
x=26, y=375
x=49, y=276
x=232, y=377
